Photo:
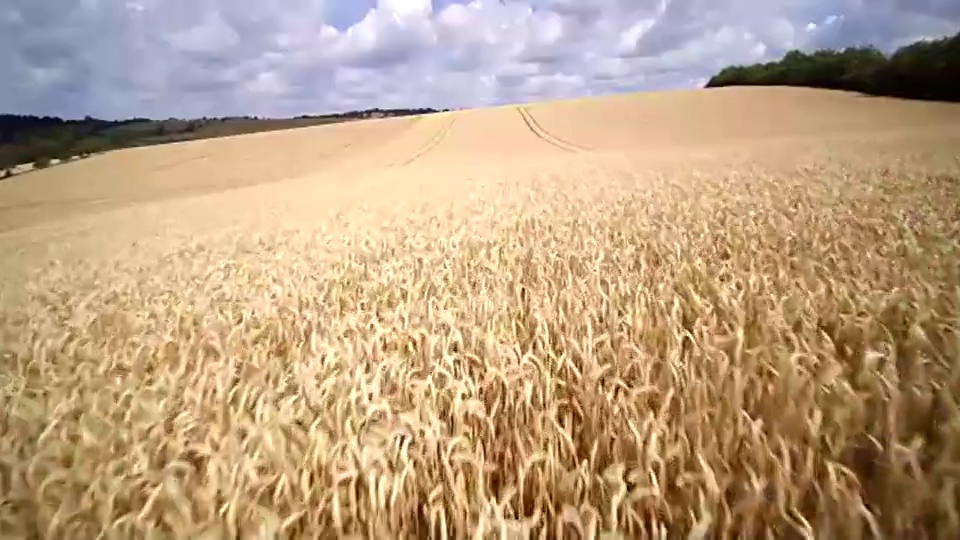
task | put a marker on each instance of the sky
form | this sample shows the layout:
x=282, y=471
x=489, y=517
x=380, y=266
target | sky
x=193, y=58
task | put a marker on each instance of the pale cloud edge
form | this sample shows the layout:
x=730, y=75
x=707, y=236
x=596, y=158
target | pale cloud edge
x=189, y=58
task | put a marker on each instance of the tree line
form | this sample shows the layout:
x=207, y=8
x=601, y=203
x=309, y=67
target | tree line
x=927, y=70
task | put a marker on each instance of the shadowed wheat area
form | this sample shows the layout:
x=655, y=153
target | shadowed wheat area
x=705, y=350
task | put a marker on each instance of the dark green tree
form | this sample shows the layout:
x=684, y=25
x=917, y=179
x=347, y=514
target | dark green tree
x=923, y=70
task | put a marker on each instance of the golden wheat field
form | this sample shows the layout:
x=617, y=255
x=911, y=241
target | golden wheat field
x=729, y=313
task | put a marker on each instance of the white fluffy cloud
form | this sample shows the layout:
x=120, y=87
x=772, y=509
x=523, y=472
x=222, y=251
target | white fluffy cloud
x=116, y=58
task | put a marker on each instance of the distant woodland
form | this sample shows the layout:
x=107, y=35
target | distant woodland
x=41, y=140
x=924, y=70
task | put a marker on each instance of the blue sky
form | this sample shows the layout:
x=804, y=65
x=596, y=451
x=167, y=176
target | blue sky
x=159, y=58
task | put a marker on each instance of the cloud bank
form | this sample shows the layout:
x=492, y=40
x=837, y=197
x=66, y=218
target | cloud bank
x=185, y=58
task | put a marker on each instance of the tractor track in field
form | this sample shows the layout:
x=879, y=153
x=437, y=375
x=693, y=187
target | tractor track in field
x=434, y=141
x=545, y=135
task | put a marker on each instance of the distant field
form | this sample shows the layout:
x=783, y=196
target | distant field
x=137, y=175
x=723, y=313
x=26, y=142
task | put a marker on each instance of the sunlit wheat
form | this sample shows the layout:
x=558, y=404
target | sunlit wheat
x=697, y=352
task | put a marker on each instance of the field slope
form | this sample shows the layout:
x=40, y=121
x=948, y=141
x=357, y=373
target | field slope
x=723, y=313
